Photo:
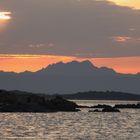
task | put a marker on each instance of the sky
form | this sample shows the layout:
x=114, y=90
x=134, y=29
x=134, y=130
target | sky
x=35, y=33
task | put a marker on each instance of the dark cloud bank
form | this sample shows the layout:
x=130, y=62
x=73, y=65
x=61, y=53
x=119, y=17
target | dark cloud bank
x=83, y=28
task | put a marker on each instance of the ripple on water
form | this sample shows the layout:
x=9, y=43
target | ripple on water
x=82, y=125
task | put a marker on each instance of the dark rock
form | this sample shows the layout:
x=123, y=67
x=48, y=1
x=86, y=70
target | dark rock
x=101, y=106
x=110, y=109
x=128, y=106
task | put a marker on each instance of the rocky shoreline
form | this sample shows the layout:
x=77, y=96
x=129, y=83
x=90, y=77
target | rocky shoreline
x=18, y=101
x=108, y=108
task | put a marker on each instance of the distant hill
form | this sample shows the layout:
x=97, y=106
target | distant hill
x=72, y=77
x=108, y=95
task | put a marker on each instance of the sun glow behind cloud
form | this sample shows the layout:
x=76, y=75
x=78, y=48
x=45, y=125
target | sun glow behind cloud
x=5, y=15
x=4, y=18
x=135, y=4
x=121, y=39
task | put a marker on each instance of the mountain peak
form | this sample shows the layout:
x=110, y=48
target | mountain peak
x=88, y=63
x=69, y=68
x=75, y=68
x=74, y=62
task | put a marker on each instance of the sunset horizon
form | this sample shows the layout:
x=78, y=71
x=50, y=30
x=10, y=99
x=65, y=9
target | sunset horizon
x=28, y=62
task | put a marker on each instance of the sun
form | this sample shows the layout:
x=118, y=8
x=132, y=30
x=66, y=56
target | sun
x=5, y=15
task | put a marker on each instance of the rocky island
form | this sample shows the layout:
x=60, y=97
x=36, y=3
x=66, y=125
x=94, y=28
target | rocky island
x=17, y=101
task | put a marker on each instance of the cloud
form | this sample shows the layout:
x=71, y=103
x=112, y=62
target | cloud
x=122, y=39
x=11, y=56
x=85, y=28
x=41, y=45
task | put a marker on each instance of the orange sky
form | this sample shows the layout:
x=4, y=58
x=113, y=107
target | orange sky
x=19, y=63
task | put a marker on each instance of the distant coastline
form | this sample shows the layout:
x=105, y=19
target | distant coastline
x=87, y=95
x=101, y=95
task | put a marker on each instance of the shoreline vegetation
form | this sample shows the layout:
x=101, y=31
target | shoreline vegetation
x=18, y=101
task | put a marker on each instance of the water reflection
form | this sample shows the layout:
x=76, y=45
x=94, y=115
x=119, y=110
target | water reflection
x=82, y=125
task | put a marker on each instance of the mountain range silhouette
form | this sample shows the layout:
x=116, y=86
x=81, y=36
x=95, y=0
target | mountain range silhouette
x=71, y=77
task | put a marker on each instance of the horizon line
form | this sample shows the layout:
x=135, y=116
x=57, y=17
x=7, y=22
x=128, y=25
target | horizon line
x=34, y=62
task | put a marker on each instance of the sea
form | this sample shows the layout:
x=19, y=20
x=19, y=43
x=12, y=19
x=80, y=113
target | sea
x=82, y=125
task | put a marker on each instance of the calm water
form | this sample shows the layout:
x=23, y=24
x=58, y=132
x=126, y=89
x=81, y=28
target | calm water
x=72, y=126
